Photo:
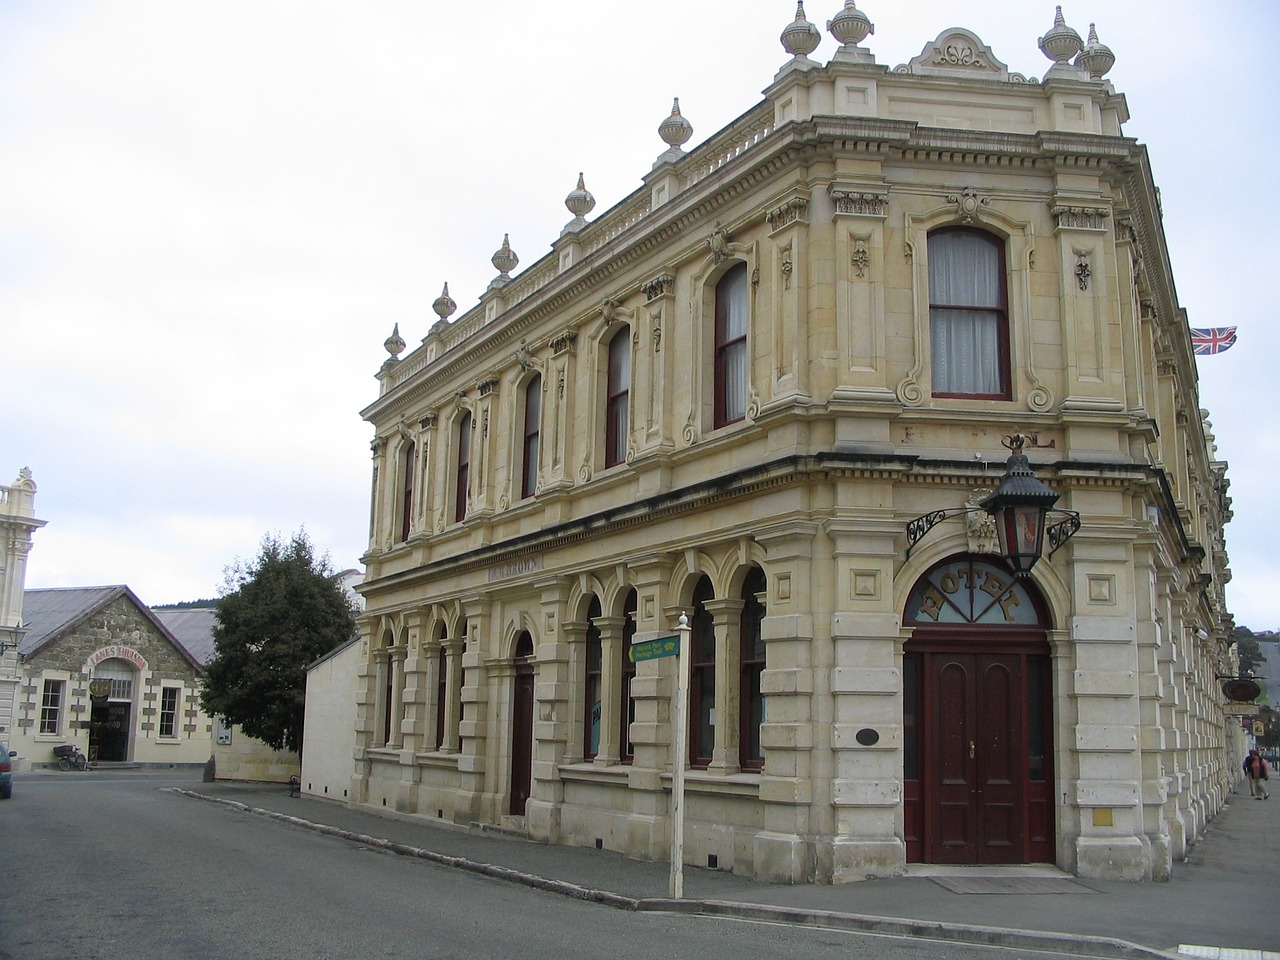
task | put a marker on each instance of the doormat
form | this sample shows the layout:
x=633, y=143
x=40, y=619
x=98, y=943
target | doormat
x=1011, y=885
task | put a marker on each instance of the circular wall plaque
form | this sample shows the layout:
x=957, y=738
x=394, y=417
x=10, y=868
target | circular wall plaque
x=867, y=737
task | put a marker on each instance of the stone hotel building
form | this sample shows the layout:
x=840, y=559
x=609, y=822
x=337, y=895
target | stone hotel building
x=729, y=396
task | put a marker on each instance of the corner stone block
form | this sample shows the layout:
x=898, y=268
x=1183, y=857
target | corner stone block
x=866, y=680
x=1107, y=793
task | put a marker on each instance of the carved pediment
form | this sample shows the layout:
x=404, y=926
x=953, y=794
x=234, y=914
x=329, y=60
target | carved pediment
x=960, y=53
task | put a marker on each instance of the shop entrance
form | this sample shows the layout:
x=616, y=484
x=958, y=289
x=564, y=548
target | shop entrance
x=109, y=731
x=977, y=719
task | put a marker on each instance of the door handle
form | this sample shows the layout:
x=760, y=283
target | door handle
x=970, y=749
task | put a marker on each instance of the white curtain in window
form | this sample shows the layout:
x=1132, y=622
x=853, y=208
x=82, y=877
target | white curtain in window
x=967, y=303
x=731, y=309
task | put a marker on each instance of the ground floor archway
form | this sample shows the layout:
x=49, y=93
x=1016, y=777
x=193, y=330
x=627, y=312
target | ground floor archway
x=977, y=719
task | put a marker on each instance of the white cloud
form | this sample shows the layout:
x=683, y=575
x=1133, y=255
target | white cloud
x=213, y=214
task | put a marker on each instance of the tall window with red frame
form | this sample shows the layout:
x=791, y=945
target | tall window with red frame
x=968, y=316
x=409, y=467
x=751, y=659
x=532, y=430
x=463, y=467
x=731, y=347
x=618, y=399
x=592, y=687
x=626, y=704
x=702, y=678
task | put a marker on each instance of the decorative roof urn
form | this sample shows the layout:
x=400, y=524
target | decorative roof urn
x=504, y=260
x=580, y=202
x=675, y=131
x=444, y=306
x=1096, y=57
x=800, y=38
x=394, y=344
x=1061, y=43
x=850, y=25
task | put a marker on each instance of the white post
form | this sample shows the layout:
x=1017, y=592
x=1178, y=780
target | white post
x=679, y=757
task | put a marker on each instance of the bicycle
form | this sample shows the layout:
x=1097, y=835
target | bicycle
x=70, y=756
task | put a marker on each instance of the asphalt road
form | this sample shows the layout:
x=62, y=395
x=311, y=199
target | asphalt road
x=110, y=865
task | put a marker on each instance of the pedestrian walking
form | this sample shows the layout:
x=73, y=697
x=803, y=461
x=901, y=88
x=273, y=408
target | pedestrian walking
x=1256, y=769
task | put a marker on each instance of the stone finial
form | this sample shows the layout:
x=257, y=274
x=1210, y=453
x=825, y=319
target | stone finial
x=800, y=38
x=444, y=305
x=1096, y=57
x=1061, y=43
x=505, y=260
x=675, y=131
x=395, y=343
x=850, y=26
x=580, y=202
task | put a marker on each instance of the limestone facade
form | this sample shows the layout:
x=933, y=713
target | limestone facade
x=729, y=396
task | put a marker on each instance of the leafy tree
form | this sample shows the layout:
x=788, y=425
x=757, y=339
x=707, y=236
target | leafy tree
x=277, y=613
x=1251, y=656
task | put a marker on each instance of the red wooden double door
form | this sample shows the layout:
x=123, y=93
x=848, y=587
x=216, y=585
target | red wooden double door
x=978, y=781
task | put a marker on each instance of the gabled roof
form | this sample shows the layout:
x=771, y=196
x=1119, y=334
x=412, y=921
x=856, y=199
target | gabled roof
x=193, y=628
x=52, y=613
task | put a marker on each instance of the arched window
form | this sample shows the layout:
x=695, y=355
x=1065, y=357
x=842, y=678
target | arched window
x=617, y=412
x=702, y=678
x=532, y=429
x=463, y=467
x=968, y=316
x=408, y=467
x=628, y=673
x=731, y=347
x=592, y=688
x=751, y=659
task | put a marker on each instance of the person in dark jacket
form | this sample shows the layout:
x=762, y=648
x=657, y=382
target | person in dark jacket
x=1255, y=768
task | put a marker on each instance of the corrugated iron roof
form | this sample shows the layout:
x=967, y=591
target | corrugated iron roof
x=48, y=613
x=193, y=628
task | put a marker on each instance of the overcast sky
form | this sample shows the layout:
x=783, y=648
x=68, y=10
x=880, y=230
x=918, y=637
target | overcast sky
x=212, y=214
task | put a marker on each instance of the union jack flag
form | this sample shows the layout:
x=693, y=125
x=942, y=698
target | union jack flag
x=1212, y=339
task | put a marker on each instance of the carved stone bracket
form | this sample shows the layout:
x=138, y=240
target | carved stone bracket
x=663, y=285
x=851, y=202
x=487, y=386
x=564, y=341
x=794, y=210
x=1080, y=218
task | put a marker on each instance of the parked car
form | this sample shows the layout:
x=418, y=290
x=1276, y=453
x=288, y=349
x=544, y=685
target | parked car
x=6, y=771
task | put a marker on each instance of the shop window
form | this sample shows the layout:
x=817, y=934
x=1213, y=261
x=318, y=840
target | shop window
x=169, y=712
x=752, y=660
x=968, y=316
x=592, y=687
x=702, y=678
x=51, y=706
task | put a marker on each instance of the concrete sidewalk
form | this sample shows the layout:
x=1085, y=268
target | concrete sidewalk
x=1225, y=898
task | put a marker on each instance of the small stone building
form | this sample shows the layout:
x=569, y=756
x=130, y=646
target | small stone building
x=100, y=670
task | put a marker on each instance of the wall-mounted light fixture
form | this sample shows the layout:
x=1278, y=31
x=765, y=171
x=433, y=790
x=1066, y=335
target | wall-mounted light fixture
x=1020, y=507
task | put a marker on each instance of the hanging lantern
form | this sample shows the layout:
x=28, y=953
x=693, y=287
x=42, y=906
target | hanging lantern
x=1020, y=506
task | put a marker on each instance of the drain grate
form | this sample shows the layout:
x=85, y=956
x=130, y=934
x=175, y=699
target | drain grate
x=1010, y=885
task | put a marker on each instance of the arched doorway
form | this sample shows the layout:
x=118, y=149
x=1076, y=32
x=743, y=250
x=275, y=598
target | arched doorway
x=977, y=718
x=522, y=725
x=111, y=713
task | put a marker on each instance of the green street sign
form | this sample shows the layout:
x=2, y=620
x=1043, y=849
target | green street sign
x=653, y=649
